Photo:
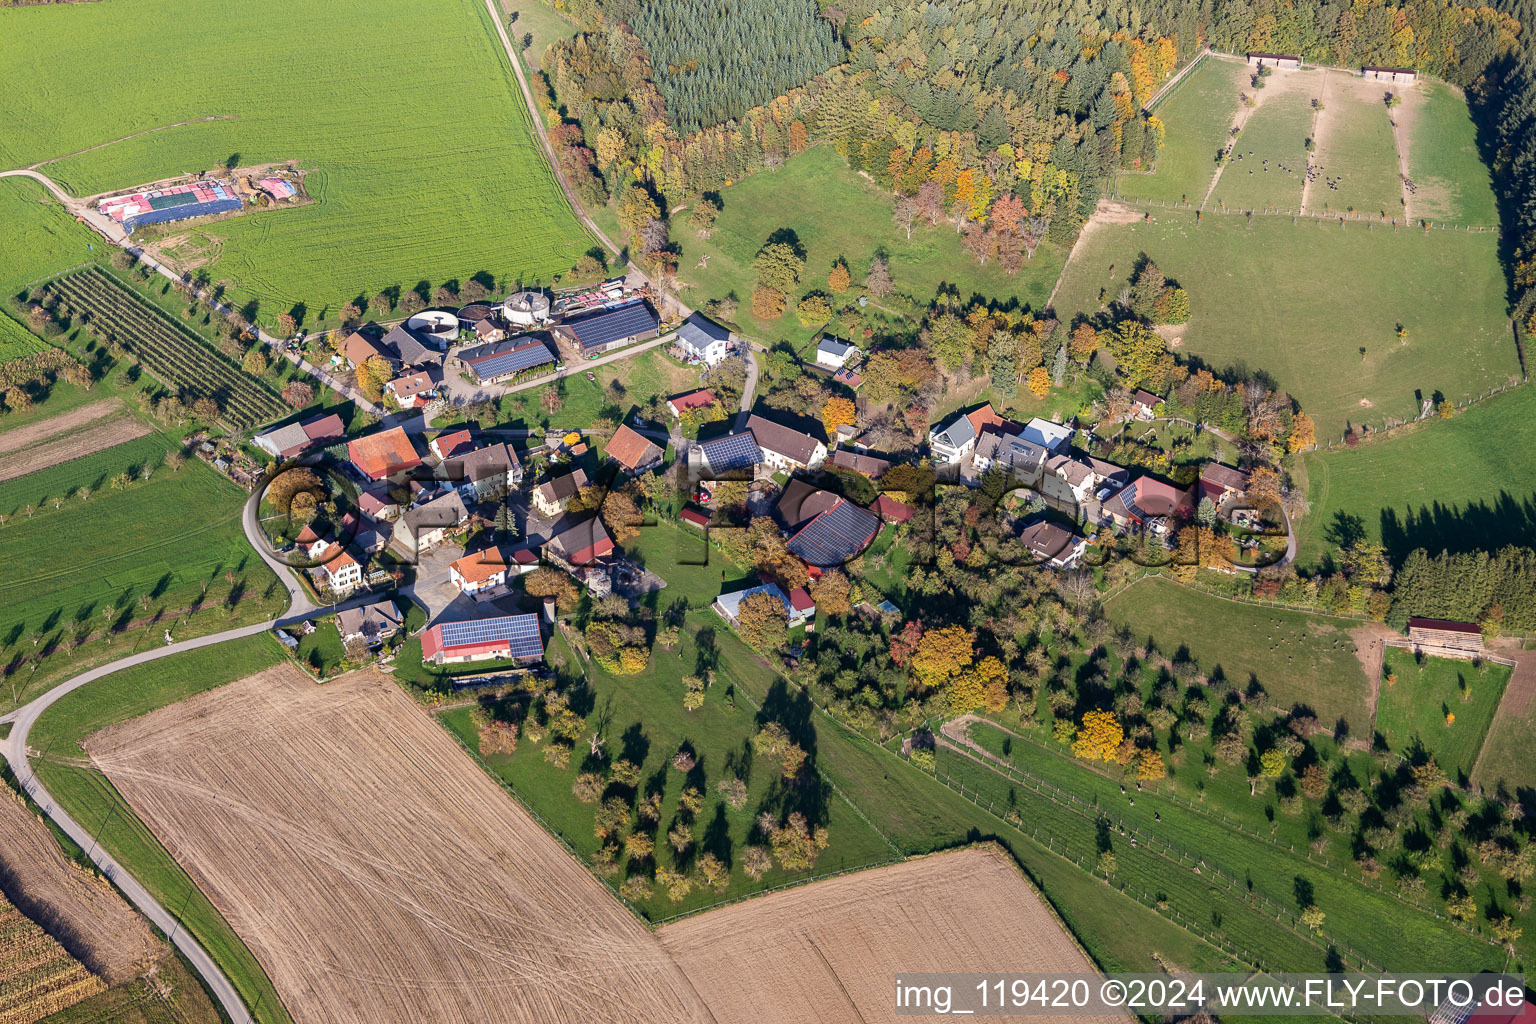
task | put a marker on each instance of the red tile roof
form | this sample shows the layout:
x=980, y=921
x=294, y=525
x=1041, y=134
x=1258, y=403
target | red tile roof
x=449, y=445
x=890, y=509
x=692, y=400
x=631, y=449
x=481, y=566
x=694, y=516
x=383, y=454
x=801, y=599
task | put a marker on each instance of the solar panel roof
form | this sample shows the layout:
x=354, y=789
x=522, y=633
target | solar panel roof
x=511, y=361
x=521, y=632
x=613, y=324
x=836, y=535
x=734, y=451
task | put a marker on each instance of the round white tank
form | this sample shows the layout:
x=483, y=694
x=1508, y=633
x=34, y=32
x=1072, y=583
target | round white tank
x=526, y=308
x=436, y=323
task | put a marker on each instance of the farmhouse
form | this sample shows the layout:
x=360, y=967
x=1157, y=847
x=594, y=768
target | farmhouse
x=1445, y=638
x=800, y=503
x=382, y=455
x=488, y=330
x=411, y=348
x=952, y=442
x=729, y=454
x=858, y=462
x=633, y=451
x=1399, y=76
x=606, y=329
x=692, y=400
x=446, y=446
x=341, y=571
x=729, y=605
x=834, y=354
x=507, y=358
x=372, y=623
x=295, y=438
x=484, y=474
x=510, y=637
x=482, y=575
x=785, y=448
x=1012, y=453
x=426, y=526
x=553, y=496
x=1143, y=500
x=1285, y=62
x=412, y=391
x=1220, y=483
x=583, y=544
x=702, y=340
x=1057, y=547
x=360, y=346
x=1144, y=404
x=835, y=536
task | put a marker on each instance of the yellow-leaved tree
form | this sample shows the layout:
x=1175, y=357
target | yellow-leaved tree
x=1098, y=738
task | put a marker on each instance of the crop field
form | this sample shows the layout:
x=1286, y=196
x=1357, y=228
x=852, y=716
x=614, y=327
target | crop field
x=136, y=565
x=180, y=359
x=38, y=237
x=1451, y=180
x=1252, y=306
x=1355, y=150
x=1446, y=485
x=446, y=901
x=1414, y=708
x=88, y=917
x=16, y=341
x=834, y=214
x=828, y=951
x=1197, y=117
x=1298, y=658
x=421, y=157
x=1268, y=165
x=37, y=977
x=108, y=432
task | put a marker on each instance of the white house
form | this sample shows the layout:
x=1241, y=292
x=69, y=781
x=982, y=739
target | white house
x=1013, y=453
x=1055, y=438
x=481, y=575
x=785, y=448
x=343, y=573
x=1085, y=477
x=952, y=441
x=484, y=473
x=701, y=338
x=834, y=354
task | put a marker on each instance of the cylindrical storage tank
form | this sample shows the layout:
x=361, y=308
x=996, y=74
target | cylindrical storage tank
x=526, y=309
x=474, y=313
x=436, y=323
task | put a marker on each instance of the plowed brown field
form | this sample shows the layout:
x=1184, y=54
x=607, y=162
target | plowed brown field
x=374, y=870
x=83, y=912
x=64, y=438
x=832, y=951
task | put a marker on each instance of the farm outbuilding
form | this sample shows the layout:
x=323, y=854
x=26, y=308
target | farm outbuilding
x=611, y=328
x=174, y=202
x=1283, y=61
x=1397, y=76
x=526, y=309
x=506, y=358
x=1445, y=638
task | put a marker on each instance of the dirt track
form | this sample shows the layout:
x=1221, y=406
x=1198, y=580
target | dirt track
x=86, y=915
x=66, y=437
x=831, y=951
x=375, y=871
x=33, y=433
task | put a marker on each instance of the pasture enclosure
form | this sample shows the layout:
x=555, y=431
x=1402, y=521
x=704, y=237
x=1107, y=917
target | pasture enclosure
x=88, y=917
x=1356, y=168
x=1268, y=165
x=1416, y=698
x=1450, y=180
x=375, y=872
x=179, y=358
x=421, y=154
x=830, y=950
x=1505, y=759
x=1301, y=298
x=37, y=977
x=1197, y=117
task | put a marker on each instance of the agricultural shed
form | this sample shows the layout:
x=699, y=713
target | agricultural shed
x=610, y=328
x=583, y=544
x=1401, y=76
x=514, y=637
x=1444, y=637
x=384, y=454
x=680, y=404
x=293, y=438
x=508, y=357
x=632, y=450
x=1284, y=61
x=836, y=535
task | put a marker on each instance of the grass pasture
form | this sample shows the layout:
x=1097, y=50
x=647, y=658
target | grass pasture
x=1505, y=761
x=1268, y=165
x=1300, y=300
x=1451, y=180
x=1459, y=484
x=1198, y=116
x=16, y=341
x=422, y=161
x=38, y=237
x=1413, y=710
x=583, y=401
x=835, y=213
x=1356, y=147
x=1297, y=658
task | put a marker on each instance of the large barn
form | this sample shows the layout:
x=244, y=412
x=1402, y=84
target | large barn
x=512, y=637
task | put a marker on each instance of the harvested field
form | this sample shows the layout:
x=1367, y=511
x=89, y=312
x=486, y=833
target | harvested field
x=37, y=977
x=83, y=912
x=373, y=869
x=109, y=426
x=830, y=951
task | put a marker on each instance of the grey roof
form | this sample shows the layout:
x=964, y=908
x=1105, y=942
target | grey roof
x=698, y=331
x=562, y=487
x=410, y=347
x=958, y=434
x=733, y=451
x=369, y=620
x=835, y=535
x=834, y=347
x=1010, y=450
x=782, y=440
x=447, y=510
x=491, y=461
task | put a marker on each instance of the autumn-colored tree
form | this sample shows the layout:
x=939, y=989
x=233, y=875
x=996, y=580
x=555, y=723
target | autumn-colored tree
x=755, y=862
x=773, y=741
x=1149, y=766
x=551, y=582
x=1272, y=764
x=888, y=374
x=1039, y=381
x=813, y=309
x=1007, y=213
x=904, y=644
x=878, y=280
x=287, y=324
x=1263, y=488
x=839, y=279
x=767, y=303
x=771, y=556
x=831, y=593
x=984, y=685
x=1303, y=433
x=763, y=622
x=1099, y=737
x=838, y=412
x=286, y=486
x=713, y=872
x=255, y=362
x=778, y=266
x=943, y=654
x=372, y=375
x=298, y=394
x=1084, y=343
x=621, y=517
x=795, y=844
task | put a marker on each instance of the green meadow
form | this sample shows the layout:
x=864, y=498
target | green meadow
x=1197, y=117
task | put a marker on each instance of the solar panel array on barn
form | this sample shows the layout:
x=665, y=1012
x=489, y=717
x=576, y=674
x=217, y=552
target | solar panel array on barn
x=734, y=451
x=836, y=535
x=519, y=632
x=175, y=202
x=627, y=321
x=504, y=358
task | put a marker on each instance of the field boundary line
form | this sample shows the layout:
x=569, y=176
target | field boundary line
x=1330, y=216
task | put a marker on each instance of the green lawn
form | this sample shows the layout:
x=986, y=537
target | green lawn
x=1357, y=149
x=93, y=802
x=421, y=158
x=1276, y=132
x=1300, y=300
x=1197, y=118
x=1413, y=710
x=543, y=22
x=1460, y=484
x=38, y=237
x=1506, y=761
x=1451, y=180
x=135, y=552
x=835, y=213
x=582, y=401
x=1297, y=658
